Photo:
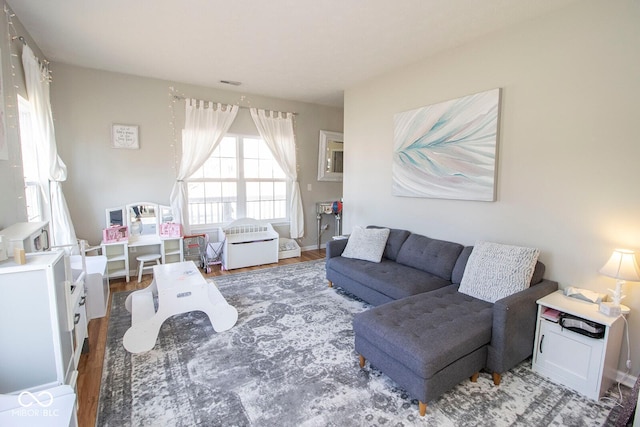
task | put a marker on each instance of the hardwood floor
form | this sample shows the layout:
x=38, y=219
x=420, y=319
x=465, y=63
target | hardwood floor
x=90, y=365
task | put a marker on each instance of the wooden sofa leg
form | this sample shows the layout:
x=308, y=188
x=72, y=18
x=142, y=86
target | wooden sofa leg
x=362, y=361
x=330, y=284
x=474, y=377
x=497, y=378
x=422, y=407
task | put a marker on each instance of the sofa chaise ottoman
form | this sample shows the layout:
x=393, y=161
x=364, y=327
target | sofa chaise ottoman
x=427, y=343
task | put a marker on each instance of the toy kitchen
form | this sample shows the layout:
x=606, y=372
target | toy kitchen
x=28, y=236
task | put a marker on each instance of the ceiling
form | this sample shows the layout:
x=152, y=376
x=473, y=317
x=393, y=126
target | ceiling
x=303, y=50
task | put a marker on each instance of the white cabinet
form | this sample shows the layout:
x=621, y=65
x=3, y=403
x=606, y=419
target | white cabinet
x=587, y=365
x=117, y=259
x=171, y=249
x=39, y=343
x=96, y=284
x=118, y=253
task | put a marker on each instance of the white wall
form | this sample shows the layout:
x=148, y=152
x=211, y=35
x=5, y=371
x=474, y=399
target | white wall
x=569, y=149
x=86, y=102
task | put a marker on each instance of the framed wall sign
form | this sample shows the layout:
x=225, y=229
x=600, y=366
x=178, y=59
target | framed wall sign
x=124, y=136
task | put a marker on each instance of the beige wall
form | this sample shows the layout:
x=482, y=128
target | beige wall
x=85, y=104
x=569, y=150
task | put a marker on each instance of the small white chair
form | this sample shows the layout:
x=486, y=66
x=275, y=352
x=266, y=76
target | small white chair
x=146, y=258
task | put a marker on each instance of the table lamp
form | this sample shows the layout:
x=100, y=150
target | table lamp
x=621, y=266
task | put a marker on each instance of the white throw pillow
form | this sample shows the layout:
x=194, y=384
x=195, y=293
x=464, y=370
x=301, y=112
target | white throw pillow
x=495, y=271
x=366, y=244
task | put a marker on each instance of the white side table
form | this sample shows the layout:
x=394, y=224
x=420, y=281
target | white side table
x=587, y=365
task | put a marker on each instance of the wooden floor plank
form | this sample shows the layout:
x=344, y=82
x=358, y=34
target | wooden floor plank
x=91, y=363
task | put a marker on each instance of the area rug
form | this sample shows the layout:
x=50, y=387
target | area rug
x=290, y=361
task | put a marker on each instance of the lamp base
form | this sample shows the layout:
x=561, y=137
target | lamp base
x=612, y=309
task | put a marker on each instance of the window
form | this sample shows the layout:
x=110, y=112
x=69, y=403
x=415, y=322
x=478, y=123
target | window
x=240, y=179
x=30, y=167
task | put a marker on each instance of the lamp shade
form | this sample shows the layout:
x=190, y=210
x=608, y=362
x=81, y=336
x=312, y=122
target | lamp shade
x=622, y=266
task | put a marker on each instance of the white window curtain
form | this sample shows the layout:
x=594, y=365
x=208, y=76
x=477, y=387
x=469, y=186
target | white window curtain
x=277, y=131
x=53, y=170
x=206, y=124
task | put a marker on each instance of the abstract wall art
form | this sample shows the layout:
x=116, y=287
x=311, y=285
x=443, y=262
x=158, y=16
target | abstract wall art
x=448, y=150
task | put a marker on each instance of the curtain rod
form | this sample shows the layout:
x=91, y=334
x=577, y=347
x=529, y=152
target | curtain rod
x=24, y=42
x=182, y=98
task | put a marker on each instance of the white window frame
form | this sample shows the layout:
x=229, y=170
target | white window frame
x=32, y=187
x=241, y=181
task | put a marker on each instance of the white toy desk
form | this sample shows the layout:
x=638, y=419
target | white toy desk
x=180, y=289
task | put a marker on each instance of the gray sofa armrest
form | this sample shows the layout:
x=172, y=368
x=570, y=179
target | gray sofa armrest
x=335, y=248
x=514, y=326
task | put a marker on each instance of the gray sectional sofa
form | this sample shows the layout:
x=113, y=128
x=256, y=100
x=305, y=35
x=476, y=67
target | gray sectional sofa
x=423, y=333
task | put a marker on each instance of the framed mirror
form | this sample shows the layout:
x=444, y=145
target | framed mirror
x=330, y=156
x=166, y=214
x=114, y=216
x=142, y=219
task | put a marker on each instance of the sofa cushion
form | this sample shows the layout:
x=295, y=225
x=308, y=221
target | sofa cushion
x=428, y=332
x=437, y=257
x=394, y=242
x=366, y=244
x=495, y=271
x=461, y=263
x=387, y=277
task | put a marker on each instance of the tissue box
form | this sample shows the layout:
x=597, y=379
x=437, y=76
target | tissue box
x=170, y=229
x=117, y=233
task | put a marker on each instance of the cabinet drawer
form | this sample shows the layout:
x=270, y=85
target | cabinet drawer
x=569, y=358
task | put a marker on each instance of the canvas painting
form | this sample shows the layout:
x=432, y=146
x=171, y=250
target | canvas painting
x=448, y=150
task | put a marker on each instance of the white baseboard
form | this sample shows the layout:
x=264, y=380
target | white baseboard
x=627, y=380
x=313, y=247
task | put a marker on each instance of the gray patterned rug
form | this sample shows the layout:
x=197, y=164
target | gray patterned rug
x=289, y=361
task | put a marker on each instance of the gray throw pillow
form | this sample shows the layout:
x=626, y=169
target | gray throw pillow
x=366, y=244
x=495, y=271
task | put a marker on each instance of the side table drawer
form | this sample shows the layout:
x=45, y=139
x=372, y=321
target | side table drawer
x=568, y=358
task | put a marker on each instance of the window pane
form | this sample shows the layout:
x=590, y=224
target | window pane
x=213, y=191
x=252, y=148
x=278, y=173
x=210, y=169
x=229, y=191
x=251, y=168
x=228, y=168
x=266, y=209
x=253, y=191
x=227, y=147
x=253, y=210
x=266, y=169
x=195, y=191
x=280, y=209
x=32, y=197
x=280, y=190
x=266, y=190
